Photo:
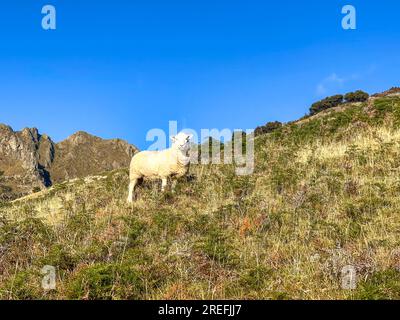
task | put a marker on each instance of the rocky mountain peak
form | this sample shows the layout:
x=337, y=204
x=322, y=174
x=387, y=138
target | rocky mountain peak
x=5, y=128
x=80, y=137
x=30, y=160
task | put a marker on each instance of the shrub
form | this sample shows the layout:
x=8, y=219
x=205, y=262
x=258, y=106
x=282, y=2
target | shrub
x=267, y=128
x=255, y=278
x=382, y=285
x=21, y=242
x=24, y=285
x=60, y=257
x=217, y=245
x=107, y=281
x=327, y=103
x=357, y=96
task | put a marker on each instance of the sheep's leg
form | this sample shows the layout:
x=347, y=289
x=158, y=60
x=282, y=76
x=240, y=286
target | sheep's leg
x=173, y=185
x=132, y=185
x=163, y=184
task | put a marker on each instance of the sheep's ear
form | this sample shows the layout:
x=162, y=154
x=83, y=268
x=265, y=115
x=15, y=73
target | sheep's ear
x=173, y=138
x=189, y=137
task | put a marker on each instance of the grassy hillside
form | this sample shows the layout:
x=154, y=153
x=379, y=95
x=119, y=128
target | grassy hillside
x=324, y=194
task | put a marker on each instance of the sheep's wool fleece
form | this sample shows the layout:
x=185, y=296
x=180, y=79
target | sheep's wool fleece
x=159, y=164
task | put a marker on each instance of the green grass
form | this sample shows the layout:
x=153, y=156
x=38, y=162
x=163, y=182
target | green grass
x=324, y=195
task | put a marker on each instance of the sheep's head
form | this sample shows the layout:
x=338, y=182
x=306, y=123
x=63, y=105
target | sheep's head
x=181, y=141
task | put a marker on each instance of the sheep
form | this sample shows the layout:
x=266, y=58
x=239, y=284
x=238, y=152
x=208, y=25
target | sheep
x=173, y=162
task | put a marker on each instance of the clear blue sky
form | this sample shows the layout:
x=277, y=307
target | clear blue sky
x=119, y=68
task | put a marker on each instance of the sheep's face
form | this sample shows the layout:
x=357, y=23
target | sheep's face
x=181, y=141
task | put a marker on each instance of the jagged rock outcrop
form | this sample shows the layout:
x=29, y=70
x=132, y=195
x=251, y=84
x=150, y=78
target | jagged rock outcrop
x=24, y=156
x=30, y=161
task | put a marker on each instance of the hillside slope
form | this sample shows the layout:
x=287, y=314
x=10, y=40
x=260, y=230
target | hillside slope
x=324, y=195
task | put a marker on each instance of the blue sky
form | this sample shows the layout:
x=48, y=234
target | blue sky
x=120, y=68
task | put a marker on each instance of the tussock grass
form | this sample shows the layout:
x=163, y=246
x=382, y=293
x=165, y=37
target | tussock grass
x=324, y=195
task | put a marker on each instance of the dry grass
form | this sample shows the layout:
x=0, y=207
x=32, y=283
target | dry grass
x=324, y=195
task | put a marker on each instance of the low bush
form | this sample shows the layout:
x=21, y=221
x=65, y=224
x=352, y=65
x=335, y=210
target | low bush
x=327, y=103
x=357, y=96
x=267, y=128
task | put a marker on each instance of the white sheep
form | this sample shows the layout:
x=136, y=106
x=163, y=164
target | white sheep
x=173, y=162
